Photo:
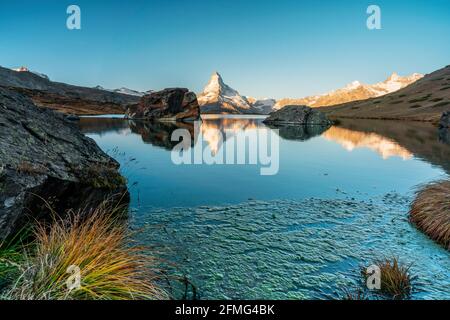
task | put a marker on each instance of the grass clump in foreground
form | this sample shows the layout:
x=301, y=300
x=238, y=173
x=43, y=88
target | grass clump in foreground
x=96, y=243
x=395, y=282
x=430, y=211
x=395, y=279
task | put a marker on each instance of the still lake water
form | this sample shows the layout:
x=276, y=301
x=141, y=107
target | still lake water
x=339, y=201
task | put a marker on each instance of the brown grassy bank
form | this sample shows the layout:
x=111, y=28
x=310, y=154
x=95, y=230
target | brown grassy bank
x=430, y=211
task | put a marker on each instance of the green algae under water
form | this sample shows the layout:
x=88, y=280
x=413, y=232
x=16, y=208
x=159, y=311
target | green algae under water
x=285, y=249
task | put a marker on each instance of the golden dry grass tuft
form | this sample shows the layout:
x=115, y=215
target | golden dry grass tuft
x=396, y=281
x=111, y=268
x=430, y=211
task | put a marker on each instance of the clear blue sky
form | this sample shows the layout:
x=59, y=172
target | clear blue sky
x=263, y=48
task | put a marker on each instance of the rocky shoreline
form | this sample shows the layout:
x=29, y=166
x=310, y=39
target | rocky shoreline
x=46, y=162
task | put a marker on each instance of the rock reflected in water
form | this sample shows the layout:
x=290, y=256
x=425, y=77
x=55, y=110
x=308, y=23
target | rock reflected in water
x=299, y=132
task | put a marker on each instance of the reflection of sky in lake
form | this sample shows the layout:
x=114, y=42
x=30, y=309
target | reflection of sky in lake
x=339, y=162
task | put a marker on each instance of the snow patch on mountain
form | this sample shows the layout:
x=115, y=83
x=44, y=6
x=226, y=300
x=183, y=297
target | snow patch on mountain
x=394, y=83
x=130, y=92
x=264, y=106
x=25, y=69
x=126, y=91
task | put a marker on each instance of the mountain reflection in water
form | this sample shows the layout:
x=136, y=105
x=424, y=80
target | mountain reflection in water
x=387, y=138
x=419, y=139
x=351, y=140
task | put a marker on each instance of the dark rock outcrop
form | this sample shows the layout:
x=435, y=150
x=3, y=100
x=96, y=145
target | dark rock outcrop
x=46, y=161
x=298, y=115
x=444, y=128
x=444, y=123
x=174, y=104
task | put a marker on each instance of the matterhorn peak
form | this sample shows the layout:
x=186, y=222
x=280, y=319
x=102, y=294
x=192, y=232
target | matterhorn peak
x=216, y=77
x=215, y=84
x=218, y=97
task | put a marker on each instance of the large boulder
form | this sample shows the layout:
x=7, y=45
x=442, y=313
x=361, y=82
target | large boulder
x=174, y=104
x=298, y=115
x=45, y=161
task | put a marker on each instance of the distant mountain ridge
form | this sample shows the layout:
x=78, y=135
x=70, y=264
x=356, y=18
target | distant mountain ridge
x=353, y=100
x=64, y=97
x=127, y=91
x=218, y=97
x=264, y=106
x=423, y=100
x=354, y=91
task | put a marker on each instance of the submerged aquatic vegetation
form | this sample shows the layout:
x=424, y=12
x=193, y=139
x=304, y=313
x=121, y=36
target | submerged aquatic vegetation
x=430, y=211
x=96, y=244
x=312, y=249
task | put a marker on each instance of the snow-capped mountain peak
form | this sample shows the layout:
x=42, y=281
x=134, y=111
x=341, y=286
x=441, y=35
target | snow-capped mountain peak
x=393, y=77
x=218, y=97
x=130, y=92
x=354, y=91
x=216, y=85
x=393, y=83
x=124, y=90
x=353, y=85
